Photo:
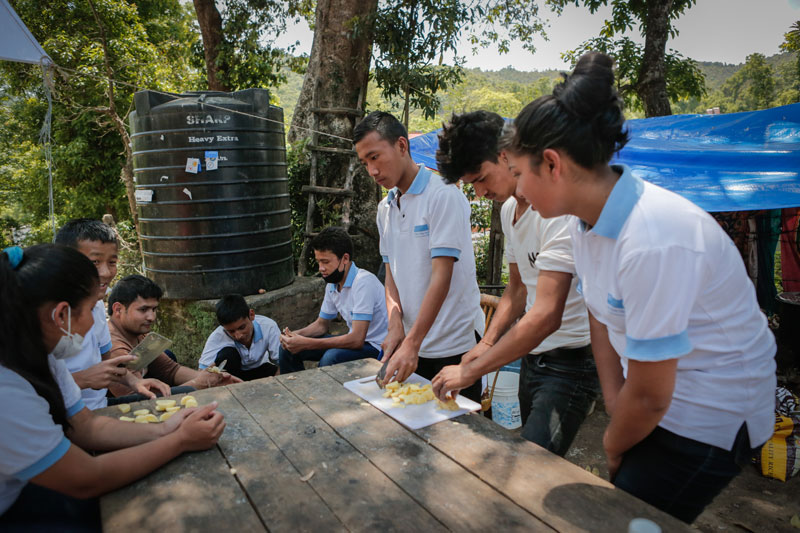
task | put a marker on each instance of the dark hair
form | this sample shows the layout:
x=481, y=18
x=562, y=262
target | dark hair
x=583, y=116
x=47, y=273
x=334, y=239
x=466, y=142
x=131, y=287
x=231, y=308
x=388, y=127
x=85, y=229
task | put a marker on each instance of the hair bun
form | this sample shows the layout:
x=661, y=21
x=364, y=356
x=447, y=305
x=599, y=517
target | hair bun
x=589, y=90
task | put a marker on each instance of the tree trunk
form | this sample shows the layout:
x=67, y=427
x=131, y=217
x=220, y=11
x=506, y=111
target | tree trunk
x=210, y=22
x=494, y=270
x=338, y=70
x=652, y=85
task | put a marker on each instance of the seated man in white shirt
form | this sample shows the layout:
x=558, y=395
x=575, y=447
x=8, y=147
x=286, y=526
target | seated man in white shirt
x=355, y=294
x=246, y=341
x=558, y=380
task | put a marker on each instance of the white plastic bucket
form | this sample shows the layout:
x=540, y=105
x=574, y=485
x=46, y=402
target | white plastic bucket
x=505, y=403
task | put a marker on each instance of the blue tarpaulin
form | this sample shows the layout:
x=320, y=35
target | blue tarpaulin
x=733, y=162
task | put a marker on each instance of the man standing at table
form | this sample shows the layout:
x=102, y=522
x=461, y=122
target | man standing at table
x=432, y=296
x=558, y=381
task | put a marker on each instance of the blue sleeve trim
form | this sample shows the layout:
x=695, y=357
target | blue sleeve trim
x=201, y=366
x=579, y=287
x=76, y=408
x=45, y=462
x=421, y=228
x=659, y=349
x=446, y=252
x=105, y=349
x=327, y=316
x=385, y=258
x=362, y=316
x=613, y=302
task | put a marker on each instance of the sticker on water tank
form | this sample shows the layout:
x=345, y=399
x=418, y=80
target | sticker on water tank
x=188, y=193
x=144, y=196
x=192, y=165
x=212, y=160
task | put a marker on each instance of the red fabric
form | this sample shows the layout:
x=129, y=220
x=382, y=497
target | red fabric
x=790, y=254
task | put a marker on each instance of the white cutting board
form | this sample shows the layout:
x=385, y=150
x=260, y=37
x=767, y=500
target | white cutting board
x=411, y=416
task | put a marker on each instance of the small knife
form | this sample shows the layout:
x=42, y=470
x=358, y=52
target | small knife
x=382, y=372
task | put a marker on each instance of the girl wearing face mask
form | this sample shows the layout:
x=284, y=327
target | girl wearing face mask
x=684, y=355
x=47, y=477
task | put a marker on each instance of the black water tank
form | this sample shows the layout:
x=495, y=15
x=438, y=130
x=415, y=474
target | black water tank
x=219, y=231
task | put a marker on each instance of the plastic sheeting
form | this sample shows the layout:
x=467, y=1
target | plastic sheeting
x=733, y=162
x=16, y=42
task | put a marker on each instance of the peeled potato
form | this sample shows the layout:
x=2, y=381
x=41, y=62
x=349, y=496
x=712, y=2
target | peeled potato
x=141, y=412
x=126, y=419
x=164, y=417
x=173, y=409
x=141, y=419
x=186, y=399
x=166, y=403
x=449, y=405
x=124, y=407
x=190, y=403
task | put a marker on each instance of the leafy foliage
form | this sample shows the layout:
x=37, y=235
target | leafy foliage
x=86, y=148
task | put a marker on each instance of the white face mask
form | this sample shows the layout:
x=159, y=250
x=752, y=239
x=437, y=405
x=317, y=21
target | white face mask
x=70, y=343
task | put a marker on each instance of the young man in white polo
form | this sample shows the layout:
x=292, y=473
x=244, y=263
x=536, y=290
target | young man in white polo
x=247, y=342
x=558, y=381
x=353, y=293
x=432, y=294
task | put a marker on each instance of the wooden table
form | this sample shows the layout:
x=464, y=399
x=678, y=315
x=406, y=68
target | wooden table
x=309, y=455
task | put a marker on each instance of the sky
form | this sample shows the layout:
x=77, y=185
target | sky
x=713, y=30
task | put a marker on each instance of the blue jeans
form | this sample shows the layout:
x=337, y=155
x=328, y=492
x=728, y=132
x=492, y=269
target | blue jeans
x=679, y=475
x=556, y=392
x=289, y=362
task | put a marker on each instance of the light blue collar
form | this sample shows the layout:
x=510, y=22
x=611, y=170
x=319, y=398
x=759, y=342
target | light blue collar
x=257, y=335
x=417, y=186
x=623, y=197
x=351, y=275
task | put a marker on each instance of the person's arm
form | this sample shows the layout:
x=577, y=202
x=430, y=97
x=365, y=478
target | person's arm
x=81, y=475
x=394, y=313
x=541, y=320
x=609, y=369
x=318, y=328
x=642, y=402
x=354, y=340
x=98, y=433
x=101, y=375
x=509, y=309
x=404, y=359
x=202, y=379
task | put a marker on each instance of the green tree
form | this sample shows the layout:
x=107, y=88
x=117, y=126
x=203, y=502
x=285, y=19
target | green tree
x=791, y=43
x=648, y=76
x=752, y=87
x=103, y=50
x=239, y=42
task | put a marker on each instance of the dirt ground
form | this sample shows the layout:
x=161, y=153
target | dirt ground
x=750, y=503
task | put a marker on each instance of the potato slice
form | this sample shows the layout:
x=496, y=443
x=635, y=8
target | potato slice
x=166, y=403
x=124, y=407
x=190, y=403
x=126, y=419
x=164, y=417
x=188, y=398
x=141, y=419
x=151, y=418
x=141, y=412
x=449, y=405
x=172, y=410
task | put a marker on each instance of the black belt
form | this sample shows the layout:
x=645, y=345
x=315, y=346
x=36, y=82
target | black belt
x=562, y=354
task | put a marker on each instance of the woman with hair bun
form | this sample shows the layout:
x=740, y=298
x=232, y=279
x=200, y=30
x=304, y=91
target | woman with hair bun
x=684, y=355
x=48, y=481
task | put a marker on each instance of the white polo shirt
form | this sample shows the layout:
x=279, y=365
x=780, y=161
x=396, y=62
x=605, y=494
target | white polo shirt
x=31, y=442
x=96, y=343
x=362, y=297
x=535, y=244
x=263, y=349
x=668, y=283
x=431, y=220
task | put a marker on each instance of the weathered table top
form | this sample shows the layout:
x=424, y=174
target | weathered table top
x=369, y=472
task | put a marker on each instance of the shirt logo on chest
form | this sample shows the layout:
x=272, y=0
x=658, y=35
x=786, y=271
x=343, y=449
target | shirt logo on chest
x=532, y=258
